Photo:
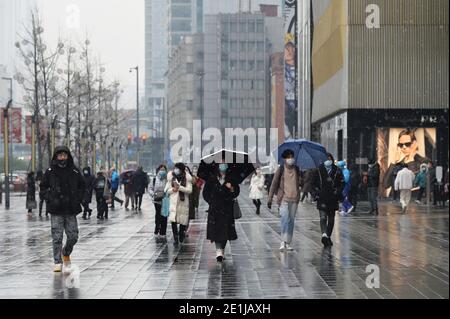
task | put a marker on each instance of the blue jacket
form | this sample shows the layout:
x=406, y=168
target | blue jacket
x=115, y=180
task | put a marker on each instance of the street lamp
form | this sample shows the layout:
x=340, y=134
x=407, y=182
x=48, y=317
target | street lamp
x=137, y=112
x=6, y=143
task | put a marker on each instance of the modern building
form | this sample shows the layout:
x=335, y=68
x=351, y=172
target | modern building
x=372, y=83
x=185, y=18
x=223, y=76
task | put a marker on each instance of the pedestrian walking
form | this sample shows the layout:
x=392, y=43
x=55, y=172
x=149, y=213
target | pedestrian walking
x=286, y=185
x=193, y=198
x=179, y=187
x=329, y=186
x=31, y=193
x=307, y=187
x=157, y=193
x=421, y=182
x=63, y=188
x=404, y=183
x=103, y=195
x=221, y=192
x=39, y=177
x=89, y=180
x=140, y=184
x=130, y=196
x=373, y=182
x=115, y=182
x=347, y=206
x=257, y=189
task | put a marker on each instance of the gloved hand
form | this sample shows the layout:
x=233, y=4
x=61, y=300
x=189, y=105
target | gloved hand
x=269, y=204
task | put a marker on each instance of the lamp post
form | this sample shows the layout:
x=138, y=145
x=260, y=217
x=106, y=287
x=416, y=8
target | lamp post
x=6, y=143
x=137, y=112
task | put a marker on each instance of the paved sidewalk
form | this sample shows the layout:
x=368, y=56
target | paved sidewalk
x=120, y=258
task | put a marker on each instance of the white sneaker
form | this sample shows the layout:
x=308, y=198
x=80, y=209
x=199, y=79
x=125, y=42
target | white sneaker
x=283, y=246
x=289, y=247
x=57, y=268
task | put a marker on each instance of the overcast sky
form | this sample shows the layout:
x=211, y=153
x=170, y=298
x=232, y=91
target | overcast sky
x=116, y=29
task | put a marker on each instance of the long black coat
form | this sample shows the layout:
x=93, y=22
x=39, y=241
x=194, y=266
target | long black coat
x=140, y=182
x=89, y=181
x=329, y=188
x=63, y=188
x=221, y=225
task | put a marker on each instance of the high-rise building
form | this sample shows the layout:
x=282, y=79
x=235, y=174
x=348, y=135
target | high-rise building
x=374, y=84
x=185, y=18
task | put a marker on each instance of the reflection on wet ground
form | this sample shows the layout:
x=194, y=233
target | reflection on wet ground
x=121, y=258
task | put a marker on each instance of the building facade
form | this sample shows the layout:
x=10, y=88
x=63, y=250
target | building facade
x=370, y=84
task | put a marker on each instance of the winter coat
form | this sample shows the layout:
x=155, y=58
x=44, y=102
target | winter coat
x=257, y=187
x=89, y=181
x=405, y=180
x=140, y=182
x=158, y=185
x=63, y=188
x=421, y=180
x=31, y=191
x=221, y=224
x=374, y=176
x=115, y=180
x=178, y=209
x=278, y=184
x=329, y=188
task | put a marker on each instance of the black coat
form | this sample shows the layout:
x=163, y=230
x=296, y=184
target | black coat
x=63, y=188
x=140, y=182
x=89, y=181
x=373, y=176
x=328, y=188
x=221, y=225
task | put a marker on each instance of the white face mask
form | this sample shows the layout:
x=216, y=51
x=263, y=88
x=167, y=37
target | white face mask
x=290, y=161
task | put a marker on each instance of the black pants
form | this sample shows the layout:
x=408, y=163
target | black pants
x=113, y=192
x=257, y=202
x=139, y=200
x=327, y=222
x=160, y=221
x=420, y=193
x=178, y=235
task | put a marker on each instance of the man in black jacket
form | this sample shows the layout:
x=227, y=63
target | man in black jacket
x=328, y=185
x=63, y=188
x=373, y=181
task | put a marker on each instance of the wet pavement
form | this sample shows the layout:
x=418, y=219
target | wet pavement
x=121, y=258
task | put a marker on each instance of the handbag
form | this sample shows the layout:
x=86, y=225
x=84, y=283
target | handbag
x=237, y=213
x=165, y=206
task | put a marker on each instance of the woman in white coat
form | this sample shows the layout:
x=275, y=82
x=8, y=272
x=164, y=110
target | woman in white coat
x=179, y=186
x=257, y=189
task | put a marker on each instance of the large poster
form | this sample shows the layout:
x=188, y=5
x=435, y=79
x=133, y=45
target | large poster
x=290, y=69
x=15, y=123
x=413, y=146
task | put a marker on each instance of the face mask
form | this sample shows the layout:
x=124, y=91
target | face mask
x=223, y=168
x=328, y=163
x=290, y=161
x=177, y=171
x=62, y=163
x=162, y=174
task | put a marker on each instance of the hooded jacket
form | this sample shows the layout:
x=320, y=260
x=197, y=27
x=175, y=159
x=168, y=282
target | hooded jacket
x=63, y=188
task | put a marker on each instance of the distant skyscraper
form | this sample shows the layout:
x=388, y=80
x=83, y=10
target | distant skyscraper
x=185, y=18
x=14, y=14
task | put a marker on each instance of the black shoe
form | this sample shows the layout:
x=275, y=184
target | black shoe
x=325, y=241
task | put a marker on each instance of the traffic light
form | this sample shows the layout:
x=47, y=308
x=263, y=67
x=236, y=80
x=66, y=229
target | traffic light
x=144, y=139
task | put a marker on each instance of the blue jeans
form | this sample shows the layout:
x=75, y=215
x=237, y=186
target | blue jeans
x=288, y=210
